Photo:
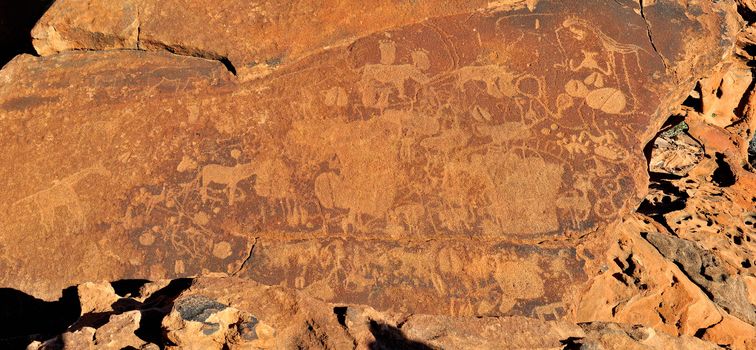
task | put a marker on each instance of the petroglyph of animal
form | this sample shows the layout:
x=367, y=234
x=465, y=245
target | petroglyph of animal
x=388, y=73
x=367, y=175
x=223, y=175
x=601, y=63
x=394, y=75
x=549, y=312
x=523, y=192
x=499, y=82
x=63, y=195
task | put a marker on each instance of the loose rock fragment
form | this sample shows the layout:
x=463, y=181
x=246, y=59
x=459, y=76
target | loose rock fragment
x=200, y=320
x=675, y=152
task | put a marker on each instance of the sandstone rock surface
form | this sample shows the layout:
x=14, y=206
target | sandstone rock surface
x=403, y=136
x=230, y=313
x=385, y=175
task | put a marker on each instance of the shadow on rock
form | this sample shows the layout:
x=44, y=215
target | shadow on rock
x=86, y=308
x=156, y=306
x=24, y=318
x=389, y=337
x=153, y=309
x=17, y=18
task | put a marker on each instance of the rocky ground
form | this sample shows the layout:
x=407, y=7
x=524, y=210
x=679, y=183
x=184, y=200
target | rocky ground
x=532, y=174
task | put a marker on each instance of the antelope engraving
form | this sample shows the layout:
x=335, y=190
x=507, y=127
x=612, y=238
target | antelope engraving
x=224, y=175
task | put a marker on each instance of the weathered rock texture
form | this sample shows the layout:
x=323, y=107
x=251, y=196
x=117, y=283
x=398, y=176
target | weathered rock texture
x=383, y=175
x=229, y=313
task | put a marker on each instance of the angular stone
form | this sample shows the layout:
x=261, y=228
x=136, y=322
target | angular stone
x=675, y=152
x=614, y=336
x=96, y=297
x=488, y=332
x=253, y=316
x=91, y=24
x=638, y=286
x=257, y=316
x=207, y=330
x=120, y=332
x=709, y=273
x=438, y=134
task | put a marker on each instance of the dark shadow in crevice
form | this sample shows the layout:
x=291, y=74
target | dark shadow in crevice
x=24, y=318
x=91, y=319
x=572, y=343
x=723, y=175
x=700, y=333
x=662, y=177
x=17, y=18
x=227, y=63
x=340, y=312
x=156, y=307
x=748, y=15
x=752, y=151
x=388, y=337
x=127, y=288
x=671, y=122
x=169, y=293
x=674, y=199
x=692, y=102
x=740, y=110
x=150, y=327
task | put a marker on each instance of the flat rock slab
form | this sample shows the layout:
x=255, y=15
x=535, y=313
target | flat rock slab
x=456, y=150
x=250, y=35
x=454, y=277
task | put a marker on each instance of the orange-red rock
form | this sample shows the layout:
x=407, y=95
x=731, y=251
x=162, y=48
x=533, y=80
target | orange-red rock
x=229, y=313
x=253, y=37
x=146, y=164
x=374, y=178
